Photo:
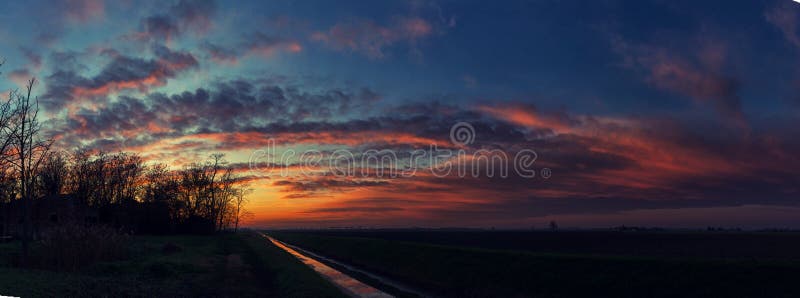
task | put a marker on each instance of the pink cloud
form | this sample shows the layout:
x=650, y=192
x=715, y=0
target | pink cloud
x=268, y=51
x=698, y=75
x=372, y=39
x=785, y=18
x=20, y=77
x=84, y=11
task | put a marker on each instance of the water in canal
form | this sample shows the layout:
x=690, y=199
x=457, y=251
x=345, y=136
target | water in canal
x=346, y=283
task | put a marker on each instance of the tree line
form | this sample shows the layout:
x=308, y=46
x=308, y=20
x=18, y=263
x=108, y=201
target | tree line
x=121, y=190
x=41, y=186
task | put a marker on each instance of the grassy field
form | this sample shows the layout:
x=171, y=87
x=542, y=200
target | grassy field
x=456, y=265
x=241, y=265
x=680, y=244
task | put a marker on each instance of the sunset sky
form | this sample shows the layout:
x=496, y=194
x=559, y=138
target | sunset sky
x=656, y=113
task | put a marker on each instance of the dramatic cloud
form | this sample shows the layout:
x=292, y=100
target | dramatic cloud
x=184, y=16
x=34, y=58
x=683, y=111
x=267, y=46
x=321, y=185
x=220, y=54
x=700, y=76
x=610, y=165
x=527, y=116
x=121, y=73
x=82, y=11
x=226, y=108
x=257, y=44
x=20, y=76
x=605, y=164
x=194, y=14
x=785, y=17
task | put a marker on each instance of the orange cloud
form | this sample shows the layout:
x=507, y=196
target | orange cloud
x=525, y=116
x=155, y=79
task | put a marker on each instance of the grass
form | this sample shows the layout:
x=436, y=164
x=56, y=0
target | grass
x=663, y=244
x=288, y=277
x=232, y=265
x=479, y=272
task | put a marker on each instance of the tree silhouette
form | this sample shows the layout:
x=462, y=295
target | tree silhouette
x=27, y=151
x=53, y=174
x=116, y=190
x=239, y=212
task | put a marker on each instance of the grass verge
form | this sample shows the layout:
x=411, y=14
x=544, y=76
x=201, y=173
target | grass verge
x=467, y=272
x=230, y=265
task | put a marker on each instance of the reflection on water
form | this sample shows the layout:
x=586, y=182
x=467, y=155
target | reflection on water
x=348, y=284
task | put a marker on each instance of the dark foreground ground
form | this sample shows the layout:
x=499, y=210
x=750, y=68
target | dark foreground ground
x=438, y=263
x=569, y=264
x=230, y=265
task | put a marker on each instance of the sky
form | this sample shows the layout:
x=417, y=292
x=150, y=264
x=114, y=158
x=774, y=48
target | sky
x=588, y=113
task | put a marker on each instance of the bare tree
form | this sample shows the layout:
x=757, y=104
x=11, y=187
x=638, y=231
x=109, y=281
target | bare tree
x=553, y=226
x=238, y=211
x=53, y=174
x=8, y=192
x=214, y=205
x=27, y=151
x=80, y=183
x=8, y=185
x=123, y=175
x=161, y=185
x=8, y=117
x=203, y=197
x=208, y=193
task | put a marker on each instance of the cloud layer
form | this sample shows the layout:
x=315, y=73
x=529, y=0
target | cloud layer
x=628, y=117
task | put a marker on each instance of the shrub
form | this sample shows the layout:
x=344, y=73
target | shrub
x=70, y=247
x=170, y=248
